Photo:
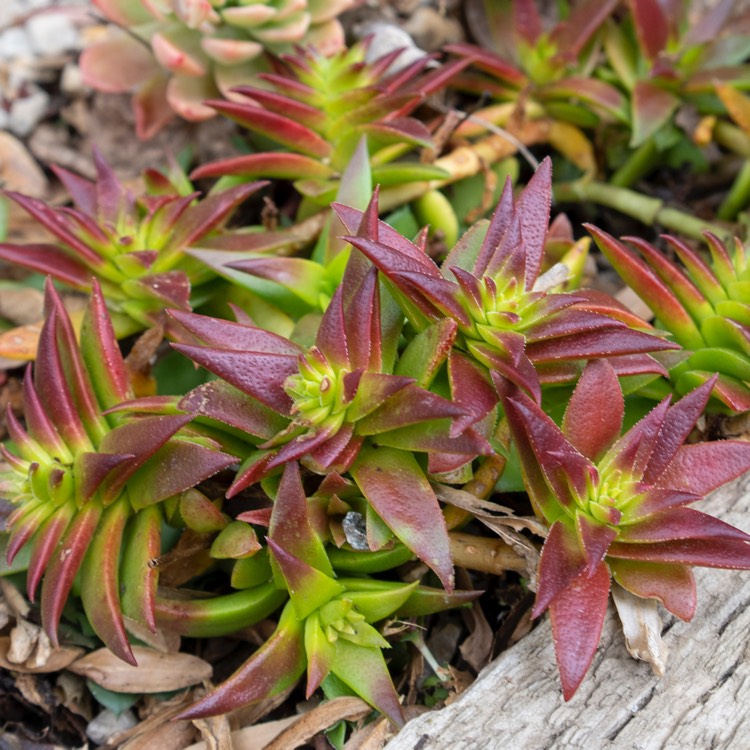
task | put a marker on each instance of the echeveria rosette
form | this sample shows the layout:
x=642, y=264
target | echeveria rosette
x=704, y=304
x=617, y=507
x=84, y=480
x=337, y=406
x=134, y=246
x=490, y=292
x=327, y=627
x=319, y=109
x=174, y=54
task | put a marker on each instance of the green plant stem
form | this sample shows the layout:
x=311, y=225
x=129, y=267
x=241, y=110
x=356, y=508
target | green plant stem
x=638, y=164
x=650, y=211
x=735, y=139
x=738, y=196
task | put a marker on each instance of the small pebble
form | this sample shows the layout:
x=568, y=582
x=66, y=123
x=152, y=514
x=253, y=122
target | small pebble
x=107, y=724
x=51, y=33
x=27, y=111
x=14, y=43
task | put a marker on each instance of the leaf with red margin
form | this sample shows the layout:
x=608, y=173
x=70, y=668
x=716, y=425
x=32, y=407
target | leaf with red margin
x=562, y=560
x=533, y=208
x=38, y=423
x=101, y=353
x=283, y=166
x=278, y=128
x=58, y=580
x=678, y=424
x=225, y=334
x=46, y=540
x=708, y=553
x=189, y=464
x=362, y=323
x=703, y=467
x=471, y=390
x=47, y=259
x=652, y=107
x=651, y=26
x=100, y=582
x=138, y=577
x=309, y=588
x=672, y=585
x=567, y=471
x=394, y=484
x=407, y=406
x=221, y=401
x=311, y=117
x=649, y=287
x=434, y=437
x=331, y=338
x=679, y=523
x=577, y=617
x=594, y=538
x=593, y=417
x=273, y=668
x=290, y=526
x=259, y=374
x=365, y=672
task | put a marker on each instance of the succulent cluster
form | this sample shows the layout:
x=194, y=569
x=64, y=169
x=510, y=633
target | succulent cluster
x=354, y=363
x=174, y=54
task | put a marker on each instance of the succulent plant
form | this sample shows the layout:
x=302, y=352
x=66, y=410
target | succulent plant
x=134, y=246
x=327, y=627
x=342, y=404
x=88, y=485
x=506, y=322
x=646, y=75
x=704, y=304
x=317, y=112
x=174, y=54
x=616, y=507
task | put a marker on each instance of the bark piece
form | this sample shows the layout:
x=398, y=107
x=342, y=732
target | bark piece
x=701, y=701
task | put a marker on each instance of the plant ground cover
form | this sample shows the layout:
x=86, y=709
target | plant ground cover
x=327, y=410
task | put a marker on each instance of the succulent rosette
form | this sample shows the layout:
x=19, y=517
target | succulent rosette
x=174, y=54
x=704, y=304
x=328, y=625
x=87, y=484
x=503, y=320
x=342, y=404
x=617, y=507
x=318, y=109
x=134, y=246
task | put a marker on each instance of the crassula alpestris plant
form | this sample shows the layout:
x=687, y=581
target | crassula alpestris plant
x=133, y=245
x=617, y=507
x=85, y=480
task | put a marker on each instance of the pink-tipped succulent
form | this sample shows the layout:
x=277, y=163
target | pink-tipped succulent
x=617, y=507
x=84, y=480
x=339, y=405
x=496, y=311
x=134, y=246
x=327, y=627
x=174, y=54
x=317, y=112
x=704, y=303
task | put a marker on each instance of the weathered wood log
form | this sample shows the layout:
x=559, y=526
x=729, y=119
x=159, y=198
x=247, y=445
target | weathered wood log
x=703, y=701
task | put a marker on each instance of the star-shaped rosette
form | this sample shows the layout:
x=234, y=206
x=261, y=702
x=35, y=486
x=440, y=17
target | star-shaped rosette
x=328, y=625
x=88, y=484
x=336, y=406
x=618, y=507
x=133, y=245
x=508, y=320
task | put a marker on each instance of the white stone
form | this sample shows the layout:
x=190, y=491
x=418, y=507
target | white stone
x=51, y=33
x=27, y=111
x=14, y=43
x=107, y=724
x=71, y=81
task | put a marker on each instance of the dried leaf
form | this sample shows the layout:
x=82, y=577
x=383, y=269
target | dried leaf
x=215, y=732
x=255, y=737
x=320, y=718
x=477, y=648
x=156, y=672
x=18, y=169
x=371, y=737
x=642, y=628
x=57, y=660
